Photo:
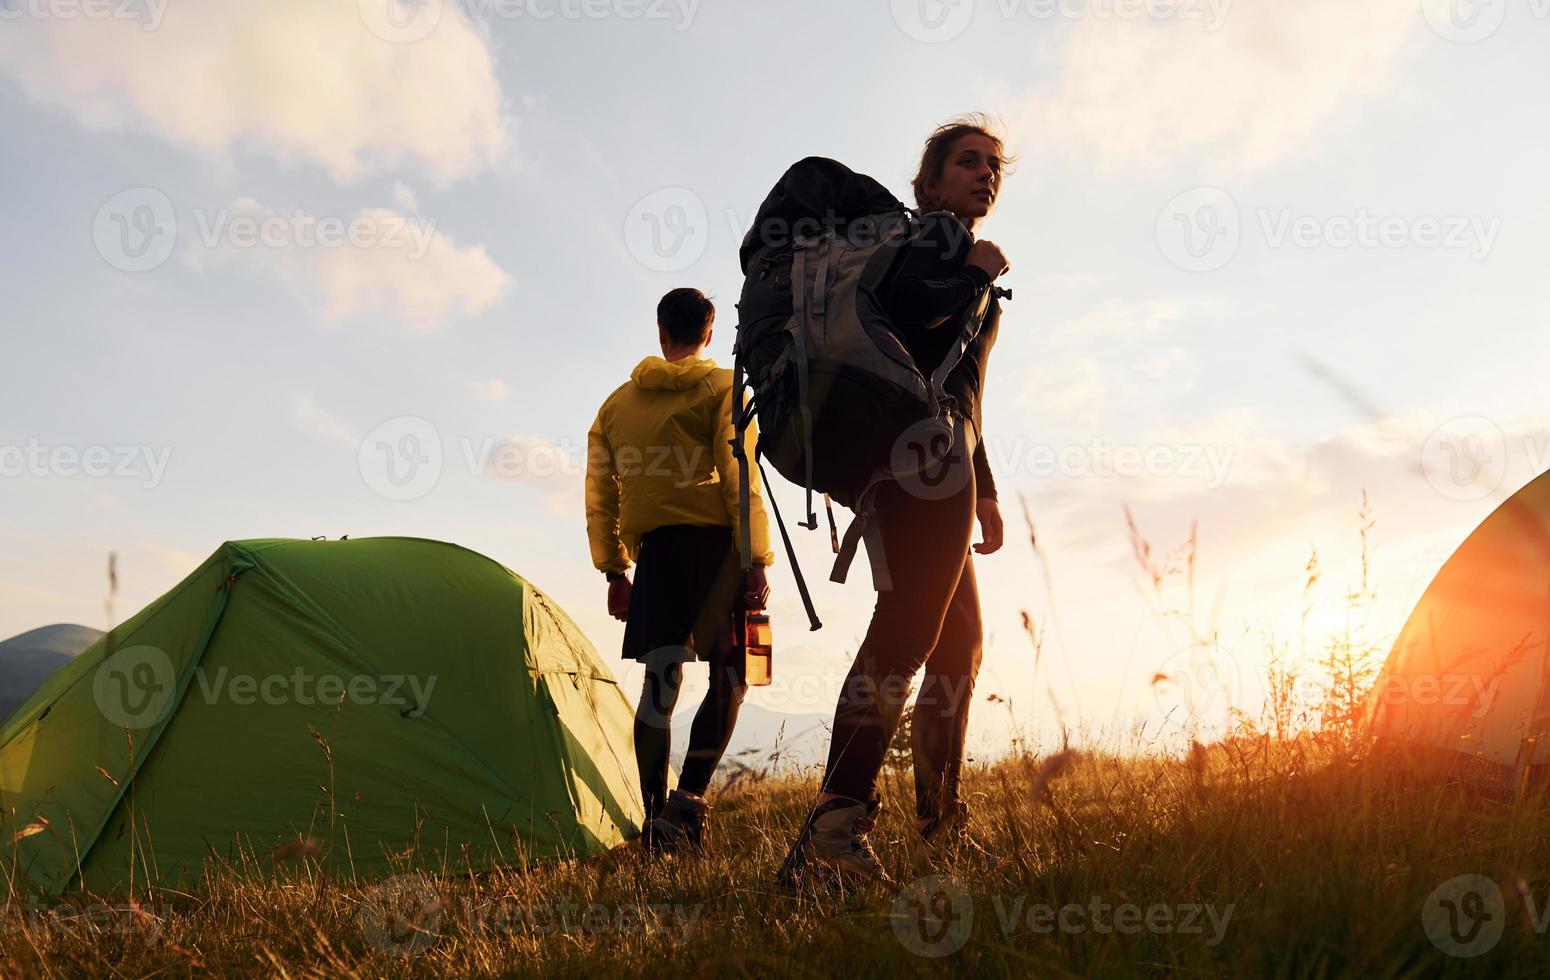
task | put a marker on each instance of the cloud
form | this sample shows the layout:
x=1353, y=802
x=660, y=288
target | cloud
x=493, y=390
x=405, y=198
x=311, y=418
x=533, y=461
x=1086, y=355
x=1116, y=318
x=1070, y=389
x=297, y=79
x=1133, y=93
x=1276, y=496
x=378, y=262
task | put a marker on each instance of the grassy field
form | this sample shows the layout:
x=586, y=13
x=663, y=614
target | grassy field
x=1253, y=858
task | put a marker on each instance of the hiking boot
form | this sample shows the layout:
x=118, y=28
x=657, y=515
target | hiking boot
x=681, y=824
x=946, y=839
x=834, y=840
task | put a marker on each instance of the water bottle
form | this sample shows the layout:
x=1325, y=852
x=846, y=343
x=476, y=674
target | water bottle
x=758, y=650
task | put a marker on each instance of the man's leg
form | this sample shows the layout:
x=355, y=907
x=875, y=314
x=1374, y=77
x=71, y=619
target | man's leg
x=653, y=724
x=713, y=723
x=941, y=717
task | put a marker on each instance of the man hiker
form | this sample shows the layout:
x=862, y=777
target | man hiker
x=662, y=490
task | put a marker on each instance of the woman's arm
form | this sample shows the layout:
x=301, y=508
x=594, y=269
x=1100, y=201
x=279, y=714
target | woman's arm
x=984, y=481
x=927, y=303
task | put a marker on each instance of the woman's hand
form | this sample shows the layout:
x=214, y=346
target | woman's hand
x=991, y=529
x=988, y=256
x=619, y=598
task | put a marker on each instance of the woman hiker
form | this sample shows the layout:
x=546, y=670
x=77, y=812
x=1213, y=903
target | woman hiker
x=661, y=490
x=931, y=616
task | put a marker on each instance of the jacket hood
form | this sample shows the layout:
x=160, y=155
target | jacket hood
x=663, y=375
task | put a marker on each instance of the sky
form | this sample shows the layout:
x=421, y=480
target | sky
x=327, y=267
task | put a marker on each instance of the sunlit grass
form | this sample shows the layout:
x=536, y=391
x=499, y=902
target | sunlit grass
x=1285, y=847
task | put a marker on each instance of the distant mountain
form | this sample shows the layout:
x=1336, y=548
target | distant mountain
x=800, y=740
x=26, y=661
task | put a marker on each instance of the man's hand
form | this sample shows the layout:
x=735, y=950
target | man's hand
x=756, y=588
x=619, y=598
x=991, y=529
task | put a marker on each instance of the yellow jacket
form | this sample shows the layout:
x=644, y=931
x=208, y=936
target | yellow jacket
x=660, y=452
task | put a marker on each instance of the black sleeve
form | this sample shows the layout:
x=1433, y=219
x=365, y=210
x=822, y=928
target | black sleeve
x=926, y=303
x=984, y=482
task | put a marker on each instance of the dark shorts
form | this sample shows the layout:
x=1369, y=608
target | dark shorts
x=687, y=588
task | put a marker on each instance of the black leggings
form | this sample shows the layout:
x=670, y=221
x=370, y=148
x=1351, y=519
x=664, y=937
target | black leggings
x=930, y=618
x=708, y=735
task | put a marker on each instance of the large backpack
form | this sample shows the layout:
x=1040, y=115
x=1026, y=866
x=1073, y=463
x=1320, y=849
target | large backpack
x=834, y=388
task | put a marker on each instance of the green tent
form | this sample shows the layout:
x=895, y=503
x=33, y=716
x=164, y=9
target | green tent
x=374, y=704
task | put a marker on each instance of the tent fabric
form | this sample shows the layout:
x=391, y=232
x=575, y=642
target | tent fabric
x=387, y=700
x=1469, y=675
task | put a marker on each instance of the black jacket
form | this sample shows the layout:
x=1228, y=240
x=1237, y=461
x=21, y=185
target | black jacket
x=928, y=290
